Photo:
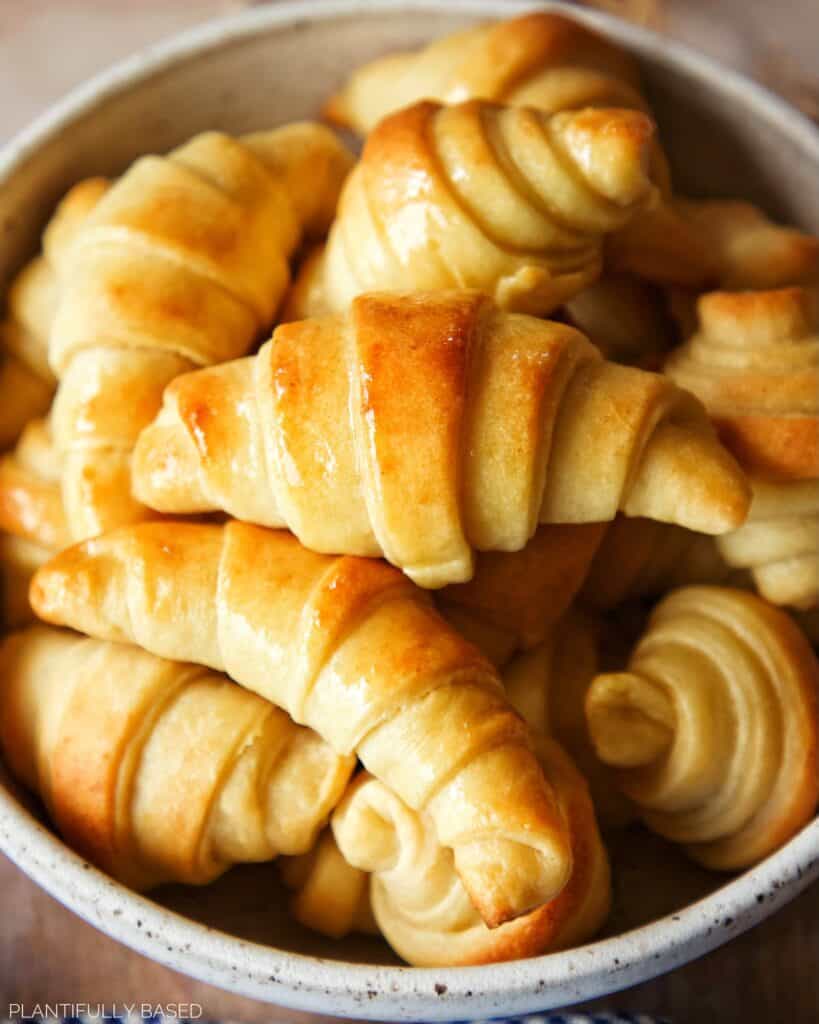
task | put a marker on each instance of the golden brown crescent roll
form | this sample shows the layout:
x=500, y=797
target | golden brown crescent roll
x=30, y=501
x=547, y=686
x=625, y=318
x=507, y=200
x=779, y=544
x=182, y=264
x=754, y=363
x=643, y=558
x=32, y=522
x=423, y=426
x=351, y=648
x=514, y=598
x=747, y=251
x=420, y=903
x=712, y=730
x=158, y=771
x=26, y=380
x=542, y=60
x=747, y=248
x=551, y=63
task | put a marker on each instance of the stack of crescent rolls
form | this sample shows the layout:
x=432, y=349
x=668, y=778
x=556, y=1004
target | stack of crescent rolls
x=421, y=519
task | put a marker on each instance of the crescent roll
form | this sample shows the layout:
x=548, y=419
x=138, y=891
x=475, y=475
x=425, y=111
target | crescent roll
x=712, y=729
x=754, y=363
x=541, y=60
x=551, y=63
x=26, y=379
x=748, y=250
x=158, y=771
x=547, y=686
x=352, y=649
x=181, y=264
x=506, y=200
x=32, y=523
x=419, y=902
x=423, y=426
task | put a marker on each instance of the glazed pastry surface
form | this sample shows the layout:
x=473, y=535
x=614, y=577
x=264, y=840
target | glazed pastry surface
x=423, y=426
x=159, y=771
x=551, y=63
x=181, y=264
x=352, y=649
x=712, y=729
x=754, y=362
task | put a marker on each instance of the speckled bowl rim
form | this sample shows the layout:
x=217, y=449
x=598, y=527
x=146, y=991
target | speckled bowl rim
x=356, y=990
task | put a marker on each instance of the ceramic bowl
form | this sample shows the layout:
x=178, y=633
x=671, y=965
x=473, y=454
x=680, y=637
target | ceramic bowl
x=725, y=136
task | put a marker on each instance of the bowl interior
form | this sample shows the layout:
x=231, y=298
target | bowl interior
x=271, y=66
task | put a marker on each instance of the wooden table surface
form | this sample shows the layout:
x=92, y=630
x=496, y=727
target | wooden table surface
x=46, y=953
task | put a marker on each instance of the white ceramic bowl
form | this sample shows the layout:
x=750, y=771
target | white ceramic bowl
x=725, y=136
